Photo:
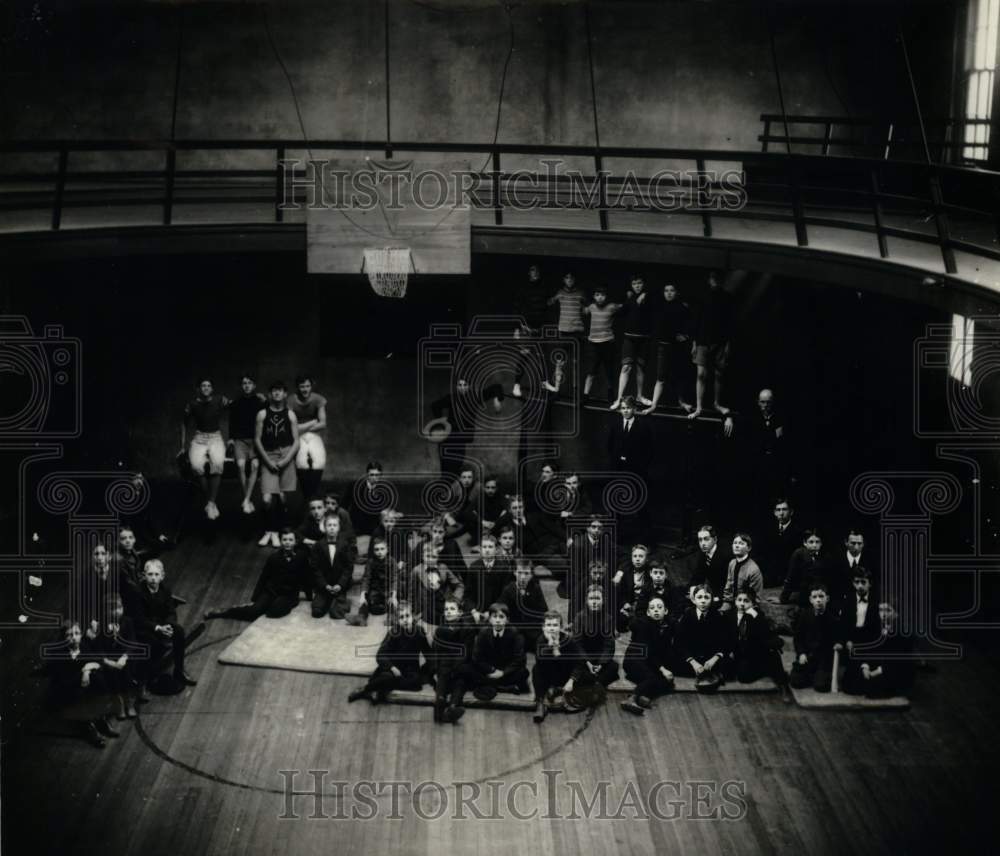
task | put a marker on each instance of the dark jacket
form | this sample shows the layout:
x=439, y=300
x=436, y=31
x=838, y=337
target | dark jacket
x=505, y=653
x=452, y=643
x=593, y=633
x=712, y=571
x=340, y=572
x=527, y=609
x=804, y=569
x=815, y=635
x=153, y=609
x=403, y=648
x=283, y=574
x=652, y=642
x=700, y=639
x=632, y=451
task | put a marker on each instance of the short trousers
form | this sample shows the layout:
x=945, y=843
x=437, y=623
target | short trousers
x=711, y=355
x=244, y=450
x=670, y=360
x=635, y=350
x=283, y=481
x=207, y=447
x=312, y=452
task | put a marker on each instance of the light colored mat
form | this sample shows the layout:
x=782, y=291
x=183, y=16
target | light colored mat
x=809, y=698
x=305, y=644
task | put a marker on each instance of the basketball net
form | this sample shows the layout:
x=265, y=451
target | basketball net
x=388, y=269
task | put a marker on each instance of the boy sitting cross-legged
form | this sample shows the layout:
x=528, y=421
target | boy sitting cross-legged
x=498, y=659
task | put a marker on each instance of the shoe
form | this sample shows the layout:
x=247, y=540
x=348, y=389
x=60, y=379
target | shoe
x=631, y=707
x=541, y=711
x=212, y=613
x=485, y=693
x=439, y=709
x=275, y=540
x=453, y=714
x=185, y=678
x=357, y=695
x=131, y=712
x=105, y=727
x=786, y=694
x=143, y=697
x=356, y=620
x=644, y=702
x=94, y=736
x=265, y=539
x=178, y=600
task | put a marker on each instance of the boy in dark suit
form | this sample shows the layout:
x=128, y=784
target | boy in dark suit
x=859, y=621
x=701, y=641
x=712, y=565
x=807, y=565
x=889, y=669
x=498, y=659
x=333, y=569
x=588, y=547
x=430, y=583
x=398, y=659
x=377, y=584
x=784, y=539
x=285, y=574
x=593, y=630
x=752, y=650
x=649, y=659
x=626, y=585
x=630, y=441
x=816, y=636
x=843, y=565
x=487, y=576
x=453, y=639
x=656, y=585
x=525, y=602
x=156, y=622
x=558, y=663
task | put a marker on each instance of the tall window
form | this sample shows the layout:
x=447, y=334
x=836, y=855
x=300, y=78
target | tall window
x=980, y=69
x=963, y=334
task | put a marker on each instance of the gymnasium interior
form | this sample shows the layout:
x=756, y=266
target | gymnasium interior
x=831, y=163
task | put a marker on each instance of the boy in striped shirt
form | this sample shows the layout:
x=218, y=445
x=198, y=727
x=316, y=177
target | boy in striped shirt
x=571, y=301
x=601, y=340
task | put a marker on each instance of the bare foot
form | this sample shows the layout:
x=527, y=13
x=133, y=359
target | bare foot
x=694, y=414
x=683, y=405
x=647, y=411
x=615, y=404
x=722, y=409
x=643, y=400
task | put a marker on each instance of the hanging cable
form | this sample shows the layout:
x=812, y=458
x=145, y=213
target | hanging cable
x=913, y=89
x=777, y=73
x=503, y=82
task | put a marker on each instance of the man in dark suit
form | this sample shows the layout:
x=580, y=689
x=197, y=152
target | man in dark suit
x=712, y=564
x=808, y=564
x=333, y=569
x=784, y=538
x=630, y=450
x=525, y=602
x=530, y=536
x=498, y=659
x=844, y=565
x=630, y=441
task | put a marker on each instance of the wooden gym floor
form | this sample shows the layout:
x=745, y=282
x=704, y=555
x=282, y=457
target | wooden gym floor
x=201, y=773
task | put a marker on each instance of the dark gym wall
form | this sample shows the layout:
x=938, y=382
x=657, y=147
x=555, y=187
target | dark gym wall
x=670, y=73
x=152, y=327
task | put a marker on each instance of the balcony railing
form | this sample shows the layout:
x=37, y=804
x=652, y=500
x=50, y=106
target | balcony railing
x=874, y=205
